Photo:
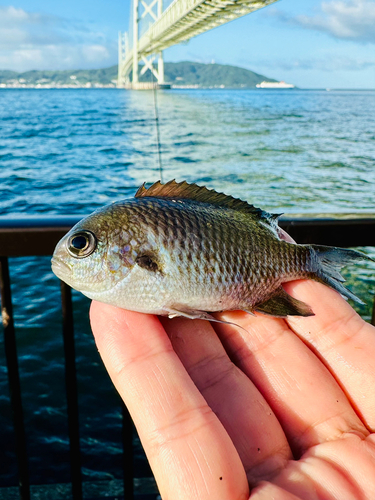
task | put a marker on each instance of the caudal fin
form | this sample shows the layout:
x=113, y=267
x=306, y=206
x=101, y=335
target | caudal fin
x=332, y=259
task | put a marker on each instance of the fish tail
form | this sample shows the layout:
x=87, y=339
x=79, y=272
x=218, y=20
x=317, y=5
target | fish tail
x=331, y=260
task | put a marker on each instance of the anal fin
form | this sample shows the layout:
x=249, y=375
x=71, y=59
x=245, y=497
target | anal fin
x=178, y=310
x=183, y=311
x=280, y=304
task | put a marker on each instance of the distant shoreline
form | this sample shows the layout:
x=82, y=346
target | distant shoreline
x=52, y=87
x=176, y=87
x=181, y=75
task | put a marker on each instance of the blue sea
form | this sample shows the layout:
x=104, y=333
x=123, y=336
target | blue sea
x=71, y=151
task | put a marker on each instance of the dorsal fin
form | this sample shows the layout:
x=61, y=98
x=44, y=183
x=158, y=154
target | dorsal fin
x=184, y=190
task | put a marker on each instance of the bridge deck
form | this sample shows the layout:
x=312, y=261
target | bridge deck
x=184, y=19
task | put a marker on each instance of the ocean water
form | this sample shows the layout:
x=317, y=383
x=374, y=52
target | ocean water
x=70, y=151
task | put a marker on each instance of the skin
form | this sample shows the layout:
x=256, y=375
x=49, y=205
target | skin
x=286, y=411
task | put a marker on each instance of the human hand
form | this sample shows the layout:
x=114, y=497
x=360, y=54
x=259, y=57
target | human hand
x=284, y=410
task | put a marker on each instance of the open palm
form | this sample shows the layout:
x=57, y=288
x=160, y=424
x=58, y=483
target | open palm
x=280, y=409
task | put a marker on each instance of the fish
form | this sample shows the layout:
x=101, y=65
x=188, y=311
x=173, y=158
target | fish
x=179, y=249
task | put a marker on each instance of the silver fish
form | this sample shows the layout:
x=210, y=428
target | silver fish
x=178, y=249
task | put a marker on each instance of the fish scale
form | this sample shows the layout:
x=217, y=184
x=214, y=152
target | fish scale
x=182, y=249
x=203, y=244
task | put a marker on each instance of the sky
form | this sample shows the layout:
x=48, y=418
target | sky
x=310, y=43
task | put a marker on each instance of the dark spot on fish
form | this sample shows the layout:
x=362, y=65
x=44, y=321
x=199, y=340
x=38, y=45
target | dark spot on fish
x=189, y=256
x=221, y=269
x=221, y=478
x=174, y=232
x=258, y=449
x=182, y=233
x=209, y=270
x=147, y=261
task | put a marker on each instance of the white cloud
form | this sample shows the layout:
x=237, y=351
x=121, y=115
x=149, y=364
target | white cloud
x=30, y=40
x=12, y=15
x=94, y=53
x=346, y=19
x=57, y=57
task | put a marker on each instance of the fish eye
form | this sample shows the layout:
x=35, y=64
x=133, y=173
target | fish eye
x=82, y=244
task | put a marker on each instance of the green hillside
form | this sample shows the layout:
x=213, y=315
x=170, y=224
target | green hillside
x=181, y=73
x=207, y=75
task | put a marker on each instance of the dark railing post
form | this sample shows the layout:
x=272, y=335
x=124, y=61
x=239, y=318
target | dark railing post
x=71, y=391
x=14, y=379
x=127, y=443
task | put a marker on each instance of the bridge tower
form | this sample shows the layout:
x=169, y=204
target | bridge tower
x=154, y=30
x=152, y=11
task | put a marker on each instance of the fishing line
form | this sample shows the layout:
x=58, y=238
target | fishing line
x=156, y=111
x=158, y=133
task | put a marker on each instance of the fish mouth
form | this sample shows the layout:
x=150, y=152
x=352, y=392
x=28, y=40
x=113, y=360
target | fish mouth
x=65, y=273
x=60, y=268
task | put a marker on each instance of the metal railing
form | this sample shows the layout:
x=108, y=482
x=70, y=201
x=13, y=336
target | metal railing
x=35, y=236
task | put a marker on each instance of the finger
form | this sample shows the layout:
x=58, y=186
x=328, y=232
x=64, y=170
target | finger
x=342, y=469
x=243, y=411
x=305, y=397
x=188, y=448
x=342, y=340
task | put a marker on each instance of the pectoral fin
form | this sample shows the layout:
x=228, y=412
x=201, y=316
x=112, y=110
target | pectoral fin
x=281, y=305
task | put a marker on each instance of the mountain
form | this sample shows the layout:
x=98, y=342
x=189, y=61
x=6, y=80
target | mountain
x=209, y=75
x=180, y=74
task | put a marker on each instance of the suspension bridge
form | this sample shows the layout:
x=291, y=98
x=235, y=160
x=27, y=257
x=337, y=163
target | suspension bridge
x=156, y=25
